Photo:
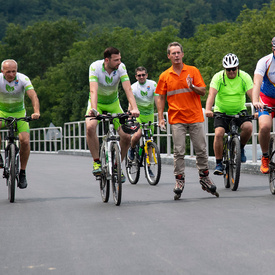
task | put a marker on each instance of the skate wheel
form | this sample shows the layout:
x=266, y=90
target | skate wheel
x=177, y=197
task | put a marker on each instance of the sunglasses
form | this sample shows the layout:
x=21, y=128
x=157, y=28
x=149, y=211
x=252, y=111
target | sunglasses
x=231, y=69
x=140, y=75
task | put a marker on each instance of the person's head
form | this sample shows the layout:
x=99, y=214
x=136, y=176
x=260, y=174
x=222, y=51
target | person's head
x=112, y=58
x=9, y=69
x=273, y=44
x=175, y=52
x=231, y=64
x=141, y=74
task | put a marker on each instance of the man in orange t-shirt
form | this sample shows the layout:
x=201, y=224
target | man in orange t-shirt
x=183, y=85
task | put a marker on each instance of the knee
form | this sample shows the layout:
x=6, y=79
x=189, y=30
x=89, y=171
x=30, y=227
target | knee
x=90, y=129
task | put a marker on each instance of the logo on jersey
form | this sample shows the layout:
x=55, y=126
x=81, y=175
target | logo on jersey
x=144, y=93
x=9, y=89
x=108, y=79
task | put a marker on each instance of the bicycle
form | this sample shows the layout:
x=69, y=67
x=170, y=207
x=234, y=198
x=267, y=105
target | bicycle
x=110, y=156
x=11, y=161
x=148, y=155
x=232, y=151
x=271, y=153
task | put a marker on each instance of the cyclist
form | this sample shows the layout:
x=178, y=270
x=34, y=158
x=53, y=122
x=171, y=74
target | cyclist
x=183, y=86
x=104, y=78
x=228, y=88
x=13, y=86
x=264, y=94
x=144, y=92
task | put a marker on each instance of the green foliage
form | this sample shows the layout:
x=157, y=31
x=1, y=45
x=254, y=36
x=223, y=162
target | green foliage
x=56, y=55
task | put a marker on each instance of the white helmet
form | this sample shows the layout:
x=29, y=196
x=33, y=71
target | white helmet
x=230, y=61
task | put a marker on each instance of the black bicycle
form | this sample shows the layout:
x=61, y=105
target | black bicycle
x=232, y=151
x=110, y=155
x=148, y=155
x=11, y=161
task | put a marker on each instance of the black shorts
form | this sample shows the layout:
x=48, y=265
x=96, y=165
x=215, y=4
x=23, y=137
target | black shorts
x=224, y=122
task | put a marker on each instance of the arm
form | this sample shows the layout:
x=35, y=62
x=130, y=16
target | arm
x=93, y=95
x=258, y=79
x=160, y=106
x=130, y=96
x=210, y=101
x=35, y=103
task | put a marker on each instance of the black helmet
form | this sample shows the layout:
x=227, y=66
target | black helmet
x=130, y=126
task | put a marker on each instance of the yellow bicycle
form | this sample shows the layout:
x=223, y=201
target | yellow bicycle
x=147, y=155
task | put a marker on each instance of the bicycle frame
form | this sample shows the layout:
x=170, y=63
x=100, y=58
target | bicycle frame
x=108, y=139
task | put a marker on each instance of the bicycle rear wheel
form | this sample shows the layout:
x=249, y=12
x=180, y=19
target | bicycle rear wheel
x=271, y=175
x=104, y=183
x=133, y=169
x=116, y=174
x=235, y=163
x=12, y=176
x=152, y=164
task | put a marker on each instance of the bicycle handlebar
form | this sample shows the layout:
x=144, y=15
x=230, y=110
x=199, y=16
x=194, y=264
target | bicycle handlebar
x=12, y=119
x=240, y=115
x=269, y=109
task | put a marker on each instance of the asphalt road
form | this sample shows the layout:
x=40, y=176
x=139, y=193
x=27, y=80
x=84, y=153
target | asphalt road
x=59, y=225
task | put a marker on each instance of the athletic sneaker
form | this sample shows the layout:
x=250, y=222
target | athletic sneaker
x=179, y=186
x=265, y=165
x=219, y=169
x=97, y=168
x=243, y=157
x=123, y=178
x=22, y=184
x=131, y=154
x=151, y=174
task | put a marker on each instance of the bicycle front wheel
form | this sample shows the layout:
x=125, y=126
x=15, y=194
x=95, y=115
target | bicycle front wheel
x=133, y=169
x=226, y=166
x=116, y=174
x=271, y=176
x=235, y=163
x=152, y=163
x=12, y=176
x=104, y=183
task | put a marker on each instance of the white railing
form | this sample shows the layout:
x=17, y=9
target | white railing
x=73, y=137
x=42, y=140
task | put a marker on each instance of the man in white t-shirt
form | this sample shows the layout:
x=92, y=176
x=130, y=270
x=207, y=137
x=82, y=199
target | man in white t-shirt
x=13, y=86
x=264, y=94
x=104, y=78
x=144, y=92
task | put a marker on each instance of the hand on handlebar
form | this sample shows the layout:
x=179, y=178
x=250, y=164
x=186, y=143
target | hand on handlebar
x=259, y=107
x=35, y=116
x=209, y=113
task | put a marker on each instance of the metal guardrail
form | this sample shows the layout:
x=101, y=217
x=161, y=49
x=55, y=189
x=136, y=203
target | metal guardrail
x=73, y=137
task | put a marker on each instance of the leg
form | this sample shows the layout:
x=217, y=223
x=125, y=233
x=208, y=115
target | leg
x=179, y=137
x=91, y=136
x=218, y=142
x=265, y=123
x=218, y=150
x=125, y=140
x=246, y=131
x=24, y=139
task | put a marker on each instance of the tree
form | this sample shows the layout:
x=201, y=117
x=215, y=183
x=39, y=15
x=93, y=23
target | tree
x=187, y=27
